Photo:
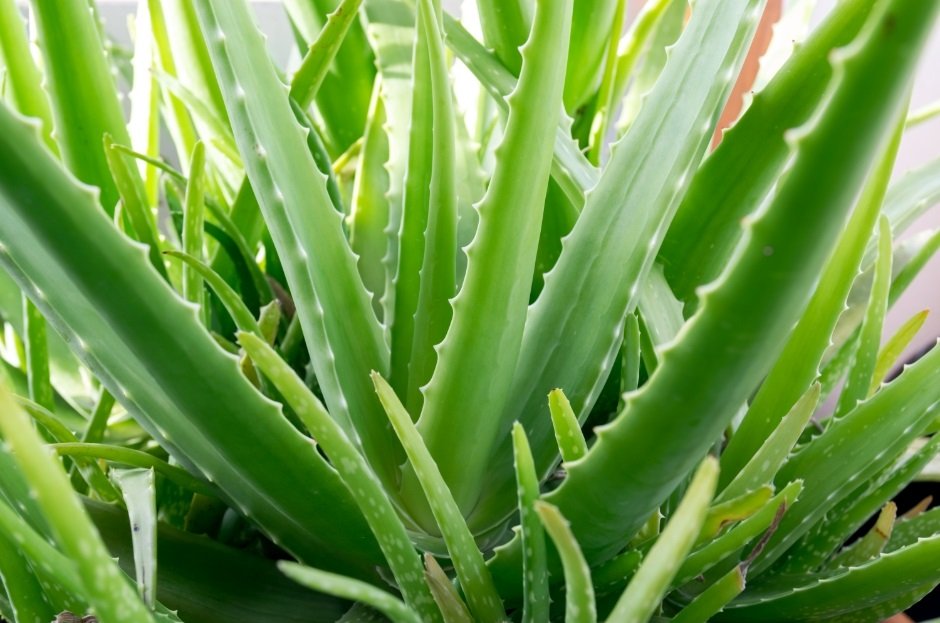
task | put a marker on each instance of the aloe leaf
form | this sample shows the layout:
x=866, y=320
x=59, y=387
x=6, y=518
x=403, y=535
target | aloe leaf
x=258, y=280
x=175, y=115
x=871, y=544
x=849, y=515
x=733, y=510
x=614, y=574
x=307, y=230
x=134, y=201
x=855, y=589
x=606, y=93
x=213, y=583
x=894, y=347
x=316, y=62
x=144, y=123
x=876, y=439
x=27, y=599
x=98, y=421
x=861, y=372
x=742, y=341
x=445, y=594
x=732, y=543
x=713, y=599
x=351, y=72
x=186, y=392
x=438, y=275
x=240, y=313
x=135, y=458
x=611, y=249
x=571, y=443
x=416, y=215
x=663, y=36
x=370, y=203
x=355, y=472
x=534, y=566
x=505, y=25
x=910, y=531
x=101, y=580
x=654, y=577
x=37, y=356
x=913, y=193
x=580, y=606
x=139, y=491
x=912, y=255
x=349, y=588
x=798, y=364
x=23, y=78
x=82, y=91
x=593, y=21
x=634, y=43
x=489, y=312
x=91, y=472
x=217, y=129
x=390, y=29
x=629, y=358
x=471, y=571
x=55, y=566
x=886, y=609
x=742, y=170
x=762, y=467
x=571, y=170
x=659, y=310
x=923, y=114
x=192, y=69
x=194, y=217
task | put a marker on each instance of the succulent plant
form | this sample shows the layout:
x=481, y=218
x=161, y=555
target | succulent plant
x=443, y=326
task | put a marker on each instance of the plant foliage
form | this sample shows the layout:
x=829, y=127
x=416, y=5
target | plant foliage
x=460, y=319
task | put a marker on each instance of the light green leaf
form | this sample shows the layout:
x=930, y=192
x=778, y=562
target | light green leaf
x=489, y=312
x=894, y=347
x=713, y=599
x=355, y=472
x=135, y=458
x=307, y=230
x=172, y=377
x=654, y=577
x=767, y=460
x=580, y=606
x=534, y=565
x=861, y=372
x=445, y=594
x=472, y=573
x=856, y=589
x=744, y=318
x=82, y=90
x=102, y=582
x=194, y=215
x=348, y=588
x=871, y=544
x=608, y=255
x=306, y=82
x=233, y=303
x=571, y=443
x=798, y=363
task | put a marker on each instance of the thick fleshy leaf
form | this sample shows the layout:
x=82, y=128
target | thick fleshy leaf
x=170, y=375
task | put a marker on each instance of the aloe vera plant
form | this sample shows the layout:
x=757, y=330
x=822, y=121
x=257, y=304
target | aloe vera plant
x=460, y=319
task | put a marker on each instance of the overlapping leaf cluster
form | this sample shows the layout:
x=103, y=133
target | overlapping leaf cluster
x=460, y=327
